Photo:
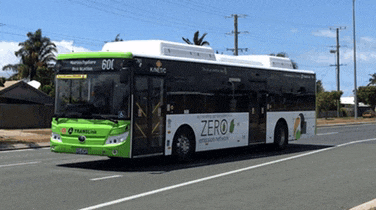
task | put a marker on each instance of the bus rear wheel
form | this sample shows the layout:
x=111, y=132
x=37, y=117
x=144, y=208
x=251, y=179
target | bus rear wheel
x=280, y=136
x=184, y=144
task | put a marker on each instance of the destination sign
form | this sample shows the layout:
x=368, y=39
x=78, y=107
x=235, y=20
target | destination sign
x=107, y=64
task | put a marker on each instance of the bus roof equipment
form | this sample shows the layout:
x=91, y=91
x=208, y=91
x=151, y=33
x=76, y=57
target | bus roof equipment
x=179, y=50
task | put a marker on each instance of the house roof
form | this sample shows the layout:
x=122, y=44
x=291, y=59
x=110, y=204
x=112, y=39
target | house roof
x=350, y=101
x=20, y=90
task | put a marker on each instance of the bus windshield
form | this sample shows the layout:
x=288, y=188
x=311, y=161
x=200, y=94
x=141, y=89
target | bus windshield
x=93, y=95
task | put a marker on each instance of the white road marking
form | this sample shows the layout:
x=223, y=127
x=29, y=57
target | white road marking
x=106, y=177
x=345, y=126
x=217, y=176
x=366, y=206
x=18, y=164
x=22, y=150
x=323, y=134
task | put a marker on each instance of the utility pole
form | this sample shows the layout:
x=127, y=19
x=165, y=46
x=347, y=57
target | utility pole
x=337, y=64
x=236, y=32
x=355, y=87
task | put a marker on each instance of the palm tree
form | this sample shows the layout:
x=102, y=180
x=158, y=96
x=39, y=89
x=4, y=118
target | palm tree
x=118, y=39
x=37, y=52
x=16, y=73
x=196, y=40
x=372, y=80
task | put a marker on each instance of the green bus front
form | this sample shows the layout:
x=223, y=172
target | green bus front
x=92, y=104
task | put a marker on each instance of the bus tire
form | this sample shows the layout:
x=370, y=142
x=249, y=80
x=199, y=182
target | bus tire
x=280, y=136
x=184, y=144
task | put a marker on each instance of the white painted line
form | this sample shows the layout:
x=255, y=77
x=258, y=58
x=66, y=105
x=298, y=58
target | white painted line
x=106, y=177
x=330, y=126
x=22, y=150
x=366, y=206
x=216, y=176
x=323, y=134
x=18, y=164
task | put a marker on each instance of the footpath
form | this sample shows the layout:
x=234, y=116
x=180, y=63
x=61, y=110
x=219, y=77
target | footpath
x=12, y=139
x=38, y=138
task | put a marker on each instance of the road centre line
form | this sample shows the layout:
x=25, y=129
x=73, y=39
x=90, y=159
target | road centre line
x=323, y=134
x=106, y=177
x=217, y=176
x=18, y=164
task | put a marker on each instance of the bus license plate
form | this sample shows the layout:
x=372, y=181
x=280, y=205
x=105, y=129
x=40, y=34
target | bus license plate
x=81, y=151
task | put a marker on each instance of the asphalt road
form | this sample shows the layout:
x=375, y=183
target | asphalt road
x=334, y=170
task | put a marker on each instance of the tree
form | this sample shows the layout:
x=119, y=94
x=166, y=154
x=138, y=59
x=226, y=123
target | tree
x=14, y=68
x=36, y=59
x=328, y=100
x=372, y=80
x=319, y=87
x=2, y=81
x=367, y=95
x=36, y=52
x=196, y=40
x=118, y=39
x=284, y=55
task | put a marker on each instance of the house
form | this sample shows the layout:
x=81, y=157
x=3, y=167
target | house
x=348, y=103
x=24, y=106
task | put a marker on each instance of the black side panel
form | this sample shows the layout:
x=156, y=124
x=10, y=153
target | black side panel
x=148, y=118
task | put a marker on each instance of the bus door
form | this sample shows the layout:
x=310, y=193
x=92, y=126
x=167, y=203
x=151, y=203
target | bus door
x=258, y=108
x=148, y=125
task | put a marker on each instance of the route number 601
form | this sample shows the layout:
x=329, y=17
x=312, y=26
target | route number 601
x=108, y=64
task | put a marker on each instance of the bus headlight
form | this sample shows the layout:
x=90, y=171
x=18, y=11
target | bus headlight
x=56, y=137
x=117, y=139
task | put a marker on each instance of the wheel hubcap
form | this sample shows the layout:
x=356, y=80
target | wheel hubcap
x=283, y=137
x=183, y=144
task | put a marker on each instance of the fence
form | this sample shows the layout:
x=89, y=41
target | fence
x=20, y=116
x=348, y=112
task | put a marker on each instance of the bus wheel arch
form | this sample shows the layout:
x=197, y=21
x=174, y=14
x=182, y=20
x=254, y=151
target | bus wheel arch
x=281, y=134
x=184, y=143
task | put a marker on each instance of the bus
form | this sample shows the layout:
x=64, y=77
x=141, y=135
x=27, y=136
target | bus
x=150, y=97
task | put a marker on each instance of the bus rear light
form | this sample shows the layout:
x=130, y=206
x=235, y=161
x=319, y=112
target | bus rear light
x=114, y=152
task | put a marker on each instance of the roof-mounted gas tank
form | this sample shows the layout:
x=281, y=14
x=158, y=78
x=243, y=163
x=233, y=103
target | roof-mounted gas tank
x=161, y=48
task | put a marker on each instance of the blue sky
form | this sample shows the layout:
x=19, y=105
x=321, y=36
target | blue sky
x=299, y=28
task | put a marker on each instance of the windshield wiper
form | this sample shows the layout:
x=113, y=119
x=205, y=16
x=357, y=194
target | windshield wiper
x=104, y=118
x=64, y=115
x=82, y=115
x=57, y=116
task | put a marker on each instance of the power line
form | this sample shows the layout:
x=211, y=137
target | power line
x=236, y=33
x=137, y=15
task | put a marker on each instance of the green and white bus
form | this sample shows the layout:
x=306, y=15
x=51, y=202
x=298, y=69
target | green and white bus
x=146, y=98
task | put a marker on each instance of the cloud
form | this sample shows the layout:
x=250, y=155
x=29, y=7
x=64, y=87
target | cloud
x=294, y=30
x=7, y=55
x=325, y=33
x=321, y=61
x=68, y=46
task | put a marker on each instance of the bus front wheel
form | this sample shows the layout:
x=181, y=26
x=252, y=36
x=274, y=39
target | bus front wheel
x=280, y=136
x=184, y=144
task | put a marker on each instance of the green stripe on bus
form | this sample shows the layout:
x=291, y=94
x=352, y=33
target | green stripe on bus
x=84, y=55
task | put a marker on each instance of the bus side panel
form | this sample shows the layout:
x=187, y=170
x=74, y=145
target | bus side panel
x=301, y=124
x=212, y=131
